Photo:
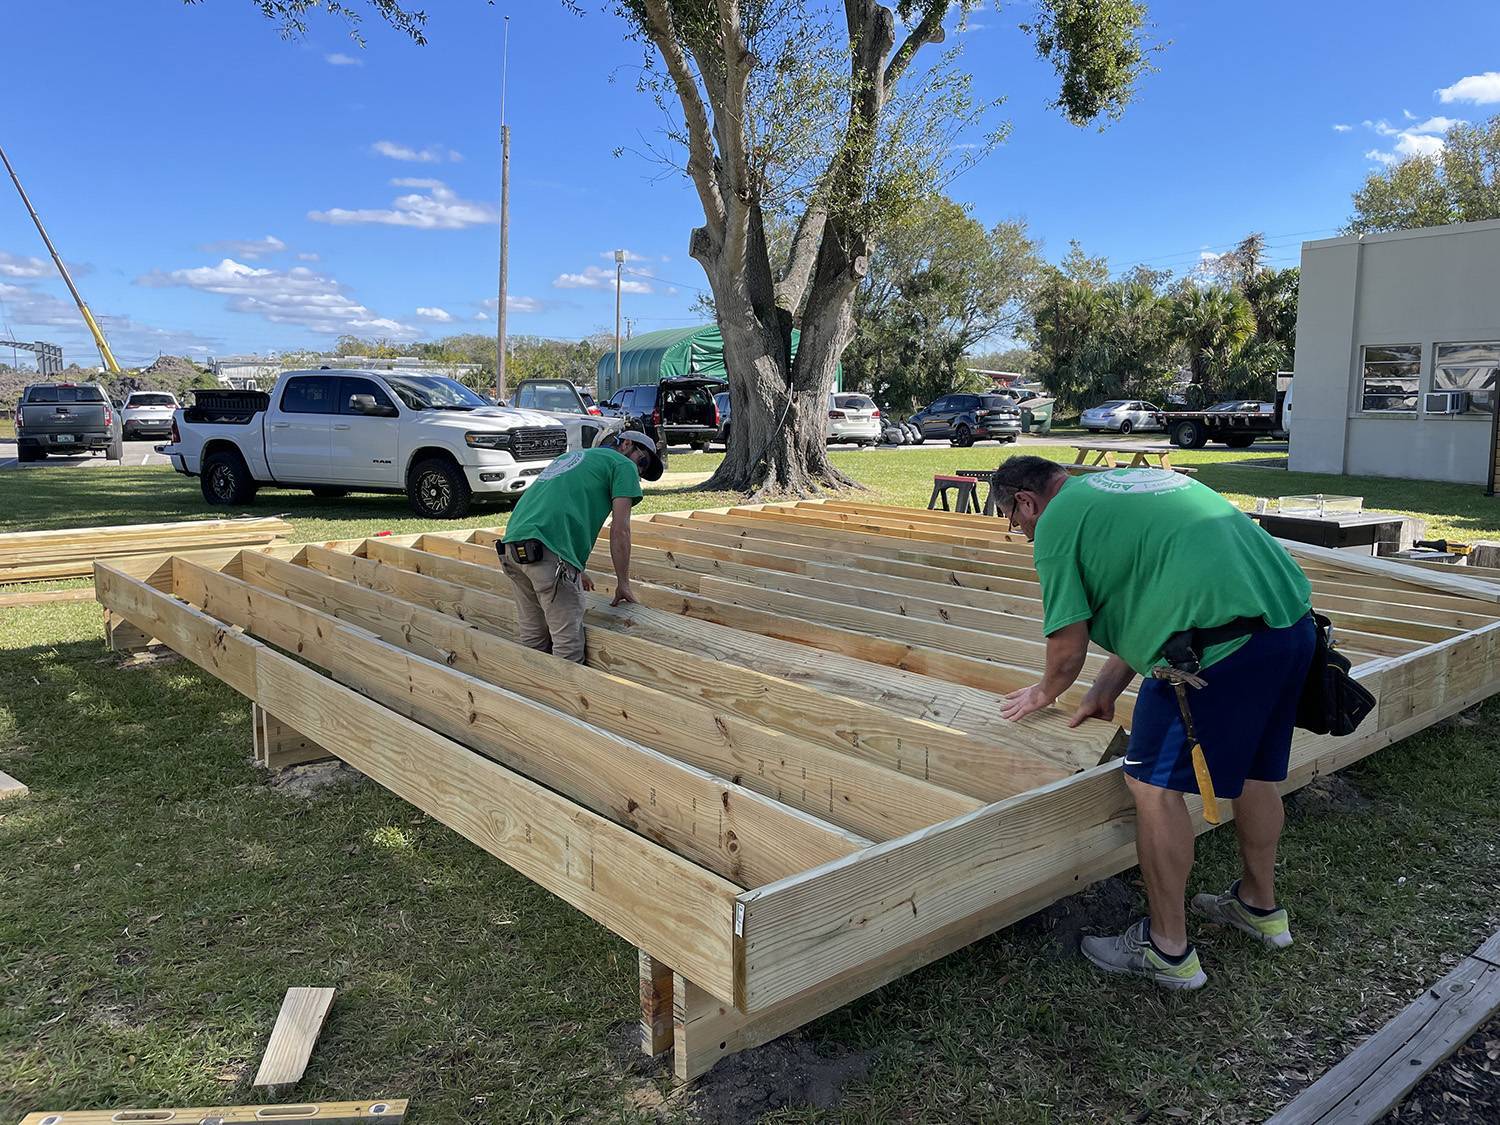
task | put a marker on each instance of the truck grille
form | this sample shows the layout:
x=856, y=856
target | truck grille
x=538, y=443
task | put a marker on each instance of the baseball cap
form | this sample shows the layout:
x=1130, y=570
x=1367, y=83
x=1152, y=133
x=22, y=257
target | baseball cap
x=653, y=469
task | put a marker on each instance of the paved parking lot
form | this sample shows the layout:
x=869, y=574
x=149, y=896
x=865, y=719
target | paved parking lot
x=136, y=453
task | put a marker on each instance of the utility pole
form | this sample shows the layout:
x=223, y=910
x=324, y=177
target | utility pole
x=619, y=271
x=504, y=224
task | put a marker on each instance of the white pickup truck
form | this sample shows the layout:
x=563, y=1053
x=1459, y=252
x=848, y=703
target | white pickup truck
x=336, y=432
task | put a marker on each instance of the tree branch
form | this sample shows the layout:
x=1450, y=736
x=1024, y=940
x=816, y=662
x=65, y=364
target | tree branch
x=928, y=30
x=793, y=285
x=700, y=166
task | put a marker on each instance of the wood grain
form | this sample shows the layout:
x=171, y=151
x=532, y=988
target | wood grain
x=298, y=1025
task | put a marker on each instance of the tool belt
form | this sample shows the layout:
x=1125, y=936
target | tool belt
x=1331, y=701
x=524, y=552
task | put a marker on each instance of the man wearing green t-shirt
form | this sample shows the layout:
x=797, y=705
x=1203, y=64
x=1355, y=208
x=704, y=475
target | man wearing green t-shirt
x=1135, y=560
x=550, y=535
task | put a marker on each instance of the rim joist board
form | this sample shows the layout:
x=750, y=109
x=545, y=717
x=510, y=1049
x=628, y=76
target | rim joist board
x=783, y=776
x=35, y=556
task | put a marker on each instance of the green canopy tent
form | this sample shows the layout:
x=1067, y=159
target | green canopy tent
x=672, y=351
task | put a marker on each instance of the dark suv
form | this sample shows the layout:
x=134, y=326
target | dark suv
x=966, y=418
x=679, y=410
x=67, y=418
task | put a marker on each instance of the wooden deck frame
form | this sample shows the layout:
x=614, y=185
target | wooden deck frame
x=741, y=940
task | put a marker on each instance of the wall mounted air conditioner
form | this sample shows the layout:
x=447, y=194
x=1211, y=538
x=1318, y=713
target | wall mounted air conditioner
x=1446, y=402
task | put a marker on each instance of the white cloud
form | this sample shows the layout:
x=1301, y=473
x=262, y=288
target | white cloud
x=596, y=277
x=438, y=209
x=1342, y=128
x=630, y=256
x=1481, y=89
x=432, y=154
x=246, y=248
x=308, y=256
x=513, y=304
x=1418, y=144
x=417, y=182
x=483, y=315
x=298, y=296
x=34, y=314
x=338, y=58
x=1381, y=157
x=1436, y=125
x=12, y=265
x=432, y=312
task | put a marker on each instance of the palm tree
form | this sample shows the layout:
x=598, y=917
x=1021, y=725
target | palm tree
x=1214, y=324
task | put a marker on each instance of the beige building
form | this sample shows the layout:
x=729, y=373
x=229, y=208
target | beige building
x=1398, y=348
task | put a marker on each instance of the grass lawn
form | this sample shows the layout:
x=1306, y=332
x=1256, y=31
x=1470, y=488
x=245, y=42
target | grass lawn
x=7, y=429
x=160, y=894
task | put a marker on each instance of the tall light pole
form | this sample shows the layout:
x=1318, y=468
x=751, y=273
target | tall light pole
x=504, y=224
x=619, y=271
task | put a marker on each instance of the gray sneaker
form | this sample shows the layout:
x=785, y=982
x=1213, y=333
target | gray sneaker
x=1273, y=929
x=1132, y=952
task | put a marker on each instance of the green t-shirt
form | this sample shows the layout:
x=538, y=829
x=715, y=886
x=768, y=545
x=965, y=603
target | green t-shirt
x=1141, y=554
x=569, y=502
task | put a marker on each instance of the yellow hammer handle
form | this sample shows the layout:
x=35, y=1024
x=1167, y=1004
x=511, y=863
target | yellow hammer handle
x=1205, y=785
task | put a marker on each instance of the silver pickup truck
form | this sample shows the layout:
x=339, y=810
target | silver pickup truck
x=67, y=418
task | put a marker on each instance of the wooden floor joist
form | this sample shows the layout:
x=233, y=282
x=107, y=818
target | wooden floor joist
x=783, y=776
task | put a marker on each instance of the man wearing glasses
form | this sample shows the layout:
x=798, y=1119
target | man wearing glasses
x=1134, y=561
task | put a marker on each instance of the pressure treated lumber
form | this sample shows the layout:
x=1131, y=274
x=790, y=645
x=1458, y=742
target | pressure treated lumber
x=29, y=556
x=10, y=787
x=862, y=797
x=298, y=1025
x=1046, y=739
x=390, y=1110
x=730, y=830
x=43, y=597
x=1382, y=1070
x=1444, y=582
x=646, y=893
x=656, y=1006
x=278, y=746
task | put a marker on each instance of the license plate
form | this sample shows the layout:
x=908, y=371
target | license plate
x=65, y=438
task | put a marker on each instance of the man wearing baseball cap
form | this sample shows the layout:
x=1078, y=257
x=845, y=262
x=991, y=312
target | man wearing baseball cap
x=550, y=535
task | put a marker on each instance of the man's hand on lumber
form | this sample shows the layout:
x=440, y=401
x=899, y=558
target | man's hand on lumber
x=1066, y=650
x=1109, y=684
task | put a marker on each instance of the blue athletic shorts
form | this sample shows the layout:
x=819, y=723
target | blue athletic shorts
x=1244, y=716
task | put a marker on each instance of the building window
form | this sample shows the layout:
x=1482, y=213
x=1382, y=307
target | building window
x=1392, y=373
x=1471, y=368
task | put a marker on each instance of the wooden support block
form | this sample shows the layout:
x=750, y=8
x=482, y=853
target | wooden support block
x=121, y=636
x=325, y=1113
x=1385, y=1067
x=656, y=1005
x=303, y=1011
x=279, y=747
x=10, y=787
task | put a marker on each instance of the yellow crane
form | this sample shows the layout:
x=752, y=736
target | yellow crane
x=110, y=365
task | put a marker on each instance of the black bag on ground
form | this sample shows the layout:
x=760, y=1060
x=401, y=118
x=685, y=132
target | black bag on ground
x=1332, y=702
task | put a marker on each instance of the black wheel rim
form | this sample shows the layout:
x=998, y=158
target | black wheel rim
x=435, y=491
x=222, y=481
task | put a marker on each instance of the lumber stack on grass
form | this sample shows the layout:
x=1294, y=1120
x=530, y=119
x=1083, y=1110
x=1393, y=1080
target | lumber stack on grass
x=35, y=556
x=783, y=776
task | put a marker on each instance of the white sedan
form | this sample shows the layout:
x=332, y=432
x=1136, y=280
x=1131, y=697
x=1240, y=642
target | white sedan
x=1123, y=415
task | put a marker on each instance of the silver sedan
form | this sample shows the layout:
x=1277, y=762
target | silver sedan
x=1123, y=415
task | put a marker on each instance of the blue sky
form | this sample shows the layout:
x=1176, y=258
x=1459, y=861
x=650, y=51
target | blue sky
x=223, y=190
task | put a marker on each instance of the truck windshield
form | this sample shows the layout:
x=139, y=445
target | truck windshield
x=433, y=392
x=64, y=392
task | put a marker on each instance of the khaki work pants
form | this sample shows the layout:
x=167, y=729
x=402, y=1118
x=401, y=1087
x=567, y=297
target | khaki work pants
x=549, y=605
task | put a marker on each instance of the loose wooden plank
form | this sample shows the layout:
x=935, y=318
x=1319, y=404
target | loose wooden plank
x=389, y=1110
x=1423, y=579
x=70, y=552
x=864, y=797
x=727, y=828
x=43, y=597
x=1381, y=1071
x=10, y=787
x=298, y=1025
x=649, y=895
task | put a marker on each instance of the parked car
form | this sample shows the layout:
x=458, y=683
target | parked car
x=853, y=418
x=966, y=418
x=1122, y=415
x=336, y=432
x=564, y=399
x=721, y=401
x=67, y=418
x=148, y=414
x=678, y=410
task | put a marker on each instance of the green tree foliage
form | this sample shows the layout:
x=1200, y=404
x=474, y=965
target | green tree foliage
x=939, y=282
x=1459, y=185
x=1213, y=324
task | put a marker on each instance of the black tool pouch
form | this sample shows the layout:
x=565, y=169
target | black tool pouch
x=1332, y=702
x=522, y=551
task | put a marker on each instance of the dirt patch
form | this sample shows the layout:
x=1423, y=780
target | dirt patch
x=1330, y=793
x=315, y=779
x=152, y=657
x=790, y=1072
x=1106, y=907
x=1464, y=719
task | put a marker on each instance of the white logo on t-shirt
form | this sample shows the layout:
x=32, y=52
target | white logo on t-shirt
x=562, y=465
x=1137, y=481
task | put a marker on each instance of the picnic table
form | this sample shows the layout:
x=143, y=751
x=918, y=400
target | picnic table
x=1142, y=455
